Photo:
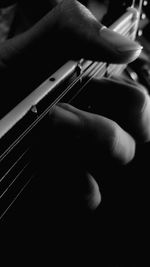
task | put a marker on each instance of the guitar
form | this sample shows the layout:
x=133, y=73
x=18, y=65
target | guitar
x=18, y=127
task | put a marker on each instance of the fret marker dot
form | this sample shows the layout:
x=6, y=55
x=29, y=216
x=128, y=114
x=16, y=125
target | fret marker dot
x=52, y=79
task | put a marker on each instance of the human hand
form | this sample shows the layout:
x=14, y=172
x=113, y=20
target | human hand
x=82, y=35
x=124, y=105
x=68, y=31
x=83, y=143
x=72, y=25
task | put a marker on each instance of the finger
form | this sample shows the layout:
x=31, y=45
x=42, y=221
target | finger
x=98, y=134
x=70, y=183
x=93, y=195
x=90, y=39
x=128, y=105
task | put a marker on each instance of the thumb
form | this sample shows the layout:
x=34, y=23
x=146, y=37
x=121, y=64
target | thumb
x=90, y=39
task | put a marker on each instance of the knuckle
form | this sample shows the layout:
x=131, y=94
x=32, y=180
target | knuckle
x=139, y=113
x=121, y=145
x=114, y=138
x=144, y=119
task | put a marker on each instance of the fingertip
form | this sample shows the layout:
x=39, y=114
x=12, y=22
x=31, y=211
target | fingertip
x=140, y=115
x=64, y=119
x=122, y=145
x=145, y=120
x=93, y=197
x=119, y=48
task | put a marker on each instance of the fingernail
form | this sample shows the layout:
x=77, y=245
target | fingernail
x=130, y=46
x=122, y=47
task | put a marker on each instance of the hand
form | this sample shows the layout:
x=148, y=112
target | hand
x=102, y=139
x=69, y=27
x=81, y=35
x=72, y=25
x=82, y=145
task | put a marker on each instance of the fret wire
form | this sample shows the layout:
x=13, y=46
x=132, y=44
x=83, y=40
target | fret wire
x=96, y=70
x=41, y=116
x=99, y=64
x=99, y=67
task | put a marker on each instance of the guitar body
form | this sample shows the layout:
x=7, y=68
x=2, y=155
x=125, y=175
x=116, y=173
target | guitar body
x=27, y=189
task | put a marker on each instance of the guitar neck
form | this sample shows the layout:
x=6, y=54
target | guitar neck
x=52, y=91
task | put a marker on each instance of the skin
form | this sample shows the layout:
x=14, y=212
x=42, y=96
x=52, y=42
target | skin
x=111, y=129
x=94, y=144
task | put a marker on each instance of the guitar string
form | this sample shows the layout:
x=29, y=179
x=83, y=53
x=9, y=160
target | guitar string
x=38, y=120
x=41, y=116
x=16, y=177
x=6, y=196
x=97, y=70
x=119, y=68
x=15, y=198
x=14, y=164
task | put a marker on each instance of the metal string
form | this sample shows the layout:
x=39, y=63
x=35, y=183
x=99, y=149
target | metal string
x=95, y=68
